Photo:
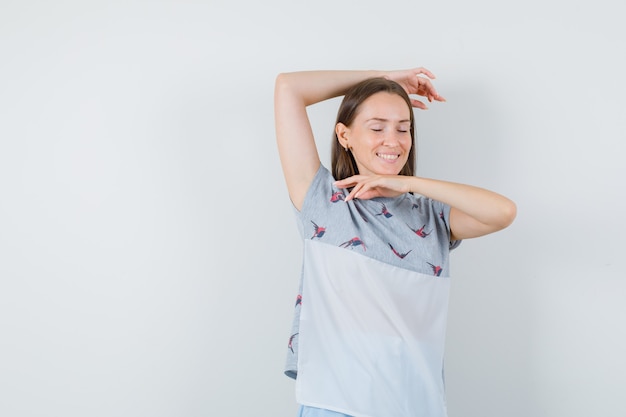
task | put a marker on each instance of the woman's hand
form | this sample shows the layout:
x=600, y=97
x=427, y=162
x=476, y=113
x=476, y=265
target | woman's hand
x=371, y=186
x=416, y=81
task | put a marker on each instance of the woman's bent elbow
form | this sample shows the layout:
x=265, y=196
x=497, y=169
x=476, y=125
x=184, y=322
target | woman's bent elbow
x=507, y=214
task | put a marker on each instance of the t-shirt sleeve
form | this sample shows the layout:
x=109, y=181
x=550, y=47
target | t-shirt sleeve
x=322, y=185
x=443, y=211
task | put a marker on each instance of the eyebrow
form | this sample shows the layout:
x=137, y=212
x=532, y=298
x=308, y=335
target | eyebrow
x=378, y=119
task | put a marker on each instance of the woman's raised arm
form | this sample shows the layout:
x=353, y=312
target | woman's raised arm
x=296, y=146
x=295, y=91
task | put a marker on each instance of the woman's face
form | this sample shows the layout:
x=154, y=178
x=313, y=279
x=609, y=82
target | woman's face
x=380, y=135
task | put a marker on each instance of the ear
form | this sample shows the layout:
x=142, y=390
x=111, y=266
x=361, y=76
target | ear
x=342, y=131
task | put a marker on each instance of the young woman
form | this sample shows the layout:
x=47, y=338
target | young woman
x=369, y=327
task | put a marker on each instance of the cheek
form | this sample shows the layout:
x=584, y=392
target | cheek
x=407, y=143
x=369, y=141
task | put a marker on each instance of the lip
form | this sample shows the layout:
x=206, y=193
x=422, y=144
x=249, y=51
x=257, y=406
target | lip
x=388, y=157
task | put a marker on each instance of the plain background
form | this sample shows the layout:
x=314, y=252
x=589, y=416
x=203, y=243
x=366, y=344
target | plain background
x=149, y=257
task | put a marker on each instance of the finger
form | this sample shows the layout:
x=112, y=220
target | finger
x=427, y=87
x=370, y=194
x=347, y=182
x=367, y=192
x=435, y=97
x=356, y=191
x=363, y=189
x=418, y=104
x=422, y=70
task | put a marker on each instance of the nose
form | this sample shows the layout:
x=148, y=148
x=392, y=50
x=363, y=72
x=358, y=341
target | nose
x=391, y=139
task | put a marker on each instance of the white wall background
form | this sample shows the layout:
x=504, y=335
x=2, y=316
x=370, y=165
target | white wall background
x=148, y=253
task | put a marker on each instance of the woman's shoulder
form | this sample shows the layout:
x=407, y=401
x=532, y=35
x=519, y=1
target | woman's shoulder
x=322, y=185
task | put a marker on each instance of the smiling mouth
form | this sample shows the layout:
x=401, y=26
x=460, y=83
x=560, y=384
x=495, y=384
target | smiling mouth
x=388, y=157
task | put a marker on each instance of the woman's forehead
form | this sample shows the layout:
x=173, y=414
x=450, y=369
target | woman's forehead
x=385, y=107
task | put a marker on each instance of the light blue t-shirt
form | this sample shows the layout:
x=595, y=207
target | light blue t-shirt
x=408, y=233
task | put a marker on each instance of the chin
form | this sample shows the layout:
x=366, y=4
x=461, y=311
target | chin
x=391, y=170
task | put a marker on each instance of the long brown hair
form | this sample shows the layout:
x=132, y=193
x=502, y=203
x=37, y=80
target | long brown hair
x=343, y=163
